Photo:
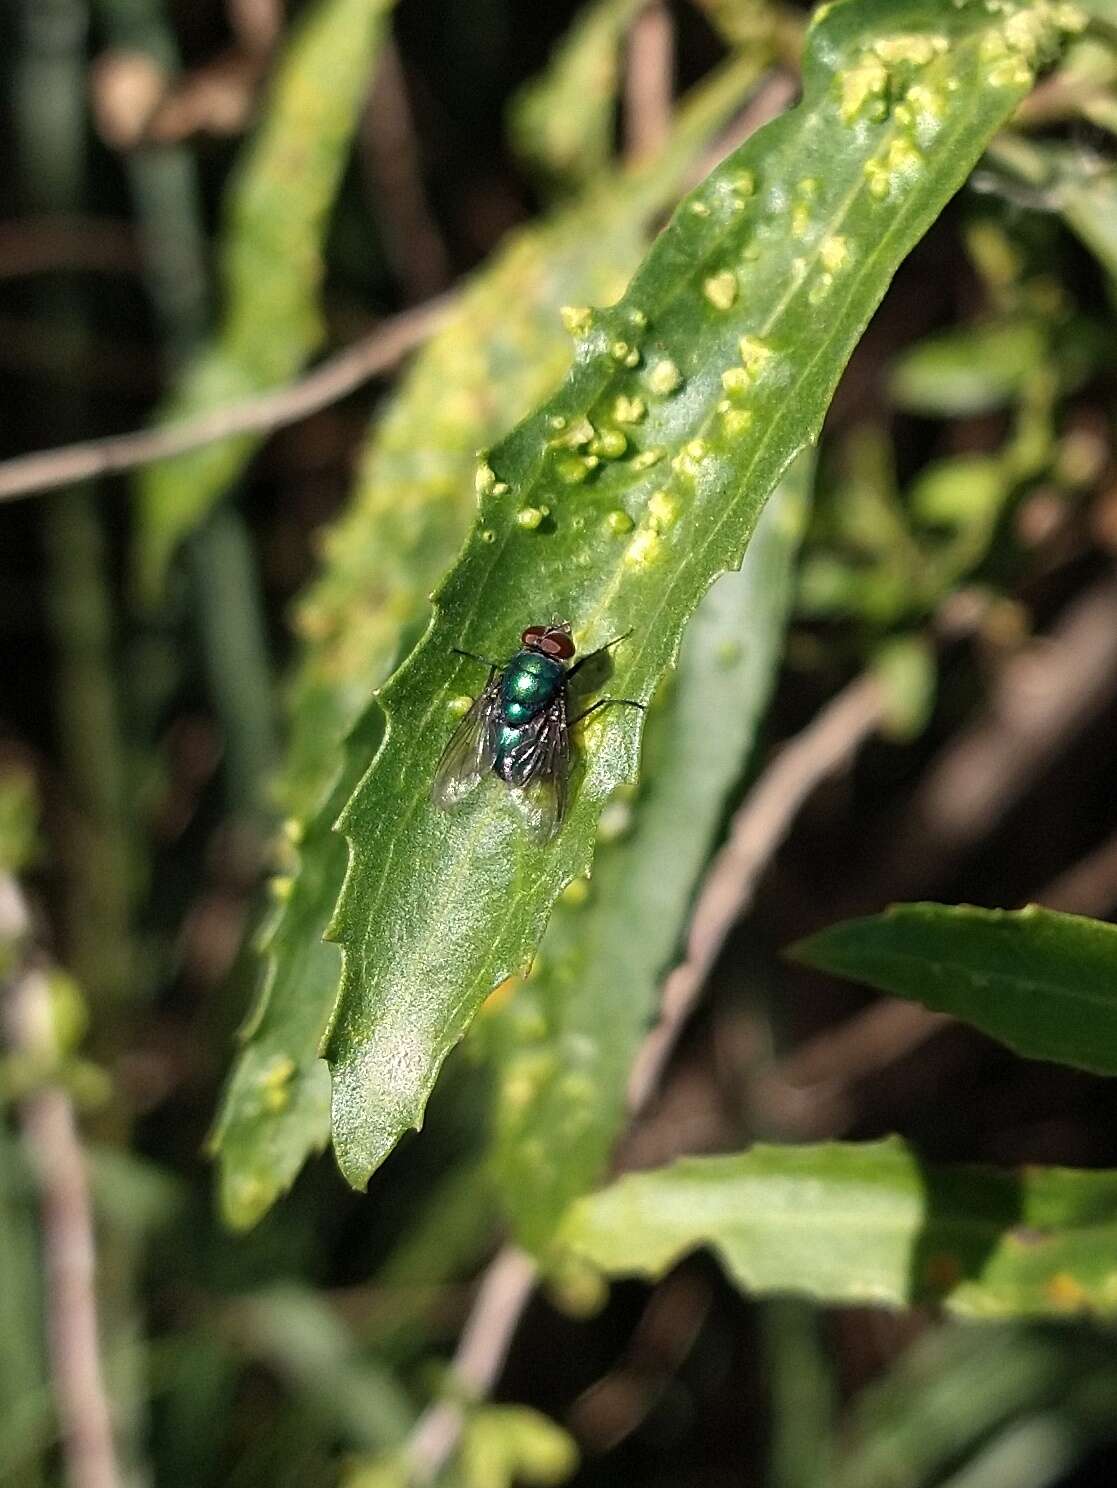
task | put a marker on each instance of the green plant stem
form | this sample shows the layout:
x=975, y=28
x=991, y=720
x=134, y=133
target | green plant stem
x=99, y=848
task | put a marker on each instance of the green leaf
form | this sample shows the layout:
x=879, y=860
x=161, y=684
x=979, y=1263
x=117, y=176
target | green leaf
x=572, y=1031
x=1043, y=983
x=872, y=1223
x=507, y=1444
x=767, y=274
x=500, y=351
x=562, y=123
x=19, y=818
x=273, y=234
x=974, y=369
x=306, y=1342
x=905, y=669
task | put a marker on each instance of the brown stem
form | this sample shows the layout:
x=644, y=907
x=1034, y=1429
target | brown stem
x=825, y=746
x=49, y=1128
x=377, y=352
x=649, y=82
x=505, y=1290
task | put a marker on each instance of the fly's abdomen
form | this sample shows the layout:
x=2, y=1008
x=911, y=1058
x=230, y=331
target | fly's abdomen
x=529, y=683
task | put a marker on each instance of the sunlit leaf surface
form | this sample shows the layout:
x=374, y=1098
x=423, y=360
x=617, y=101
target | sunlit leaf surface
x=502, y=349
x=619, y=501
x=570, y=1033
x=851, y=1223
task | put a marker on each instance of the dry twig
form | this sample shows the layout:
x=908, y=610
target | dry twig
x=826, y=745
x=46, y=1118
x=391, y=151
x=649, y=82
x=339, y=375
x=505, y=1290
x=1043, y=697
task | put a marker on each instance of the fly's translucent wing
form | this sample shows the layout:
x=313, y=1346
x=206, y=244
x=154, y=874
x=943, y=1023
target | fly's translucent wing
x=538, y=770
x=471, y=751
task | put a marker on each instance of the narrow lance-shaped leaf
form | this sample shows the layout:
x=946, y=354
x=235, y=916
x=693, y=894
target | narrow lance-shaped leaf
x=619, y=501
x=849, y=1223
x=1042, y=982
x=571, y=1032
x=503, y=348
x=272, y=245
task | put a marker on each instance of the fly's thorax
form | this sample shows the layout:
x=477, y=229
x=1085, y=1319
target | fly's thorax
x=530, y=682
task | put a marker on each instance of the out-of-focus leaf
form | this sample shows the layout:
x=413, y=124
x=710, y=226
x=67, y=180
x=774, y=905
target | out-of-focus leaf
x=974, y=369
x=562, y=122
x=388, y=1471
x=272, y=241
x=905, y=668
x=745, y=23
x=964, y=491
x=572, y=1030
x=686, y=402
x=507, y=1444
x=802, y=1389
x=871, y=1223
x=958, y=1393
x=19, y=819
x=501, y=350
x=1042, y=982
x=19, y=822
x=306, y=1343
x=132, y=1195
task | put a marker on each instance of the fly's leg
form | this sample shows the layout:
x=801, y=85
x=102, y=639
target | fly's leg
x=494, y=666
x=608, y=703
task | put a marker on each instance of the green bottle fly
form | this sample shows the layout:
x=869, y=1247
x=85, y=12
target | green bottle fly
x=519, y=730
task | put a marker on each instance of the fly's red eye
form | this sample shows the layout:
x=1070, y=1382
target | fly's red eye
x=559, y=643
x=533, y=635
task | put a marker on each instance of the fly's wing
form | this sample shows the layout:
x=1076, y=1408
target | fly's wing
x=471, y=751
x=539, y=770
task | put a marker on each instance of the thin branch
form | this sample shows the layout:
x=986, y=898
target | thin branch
x=1043, y=697
x=649, y=83
x=825, y=746
x=339, y=375
x=1088, y=887
x=48, y=244
x=502, y=1297
x=50, y=1131
x=775, y=93
x=391, y=152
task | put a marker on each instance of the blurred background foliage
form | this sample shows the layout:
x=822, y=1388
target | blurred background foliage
x=199, y=198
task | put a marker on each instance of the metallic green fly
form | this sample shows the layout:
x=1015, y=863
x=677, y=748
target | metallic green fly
x=519, y=729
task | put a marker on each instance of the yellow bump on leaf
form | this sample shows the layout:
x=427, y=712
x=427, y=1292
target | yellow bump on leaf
x=576, y=318
x=664, y=377
x=864, y=82
x=1065, y=1292
x=833, y=253
x=721, y=290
